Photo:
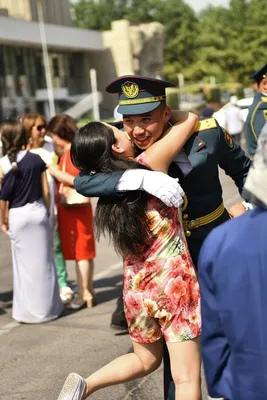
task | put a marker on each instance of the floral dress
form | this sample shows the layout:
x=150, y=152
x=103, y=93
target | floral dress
x=161, y=291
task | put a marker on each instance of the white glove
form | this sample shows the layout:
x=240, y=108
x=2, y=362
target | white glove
x=248, y=206
x=158, y=184
x=163, y=187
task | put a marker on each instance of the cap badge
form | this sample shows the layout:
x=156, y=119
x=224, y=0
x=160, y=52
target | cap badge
x=130, y=89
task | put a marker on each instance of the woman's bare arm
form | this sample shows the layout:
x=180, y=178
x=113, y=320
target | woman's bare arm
x=4, y=216
x=162, y=152
x=45, y=191
x=3, y=208
x=60, y=176
x=1, y=176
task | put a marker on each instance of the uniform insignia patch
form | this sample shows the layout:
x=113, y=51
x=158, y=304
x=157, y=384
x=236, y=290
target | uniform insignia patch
x=205, y=124
x=265, y=114
x=130, y=89
x=228, y=139
x=201, y=144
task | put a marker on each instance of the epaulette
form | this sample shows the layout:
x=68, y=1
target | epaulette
x=205, y=124
x=264, y=99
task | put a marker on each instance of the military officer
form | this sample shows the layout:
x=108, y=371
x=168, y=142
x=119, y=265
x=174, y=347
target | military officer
x=257, y=115
x=233, y=300
x=196, y=166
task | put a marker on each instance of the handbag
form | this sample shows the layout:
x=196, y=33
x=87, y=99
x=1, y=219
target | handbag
x=68, y=196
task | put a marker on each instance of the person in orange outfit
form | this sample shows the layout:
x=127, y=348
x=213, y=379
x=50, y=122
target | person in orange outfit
x=75, y=221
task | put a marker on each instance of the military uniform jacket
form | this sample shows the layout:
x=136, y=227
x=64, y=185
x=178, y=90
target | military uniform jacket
x=256, y=119
x=207, y=149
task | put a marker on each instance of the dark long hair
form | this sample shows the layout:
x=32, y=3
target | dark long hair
x=121, y=218
x=13, y=137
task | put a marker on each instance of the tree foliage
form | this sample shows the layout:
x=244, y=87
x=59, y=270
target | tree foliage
x=225, y=43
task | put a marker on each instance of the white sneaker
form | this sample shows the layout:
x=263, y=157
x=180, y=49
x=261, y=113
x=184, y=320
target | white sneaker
x=73, y=388
x=66, y=294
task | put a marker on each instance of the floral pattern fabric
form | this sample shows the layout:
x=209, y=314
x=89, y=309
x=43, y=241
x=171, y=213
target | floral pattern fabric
x=161, y=291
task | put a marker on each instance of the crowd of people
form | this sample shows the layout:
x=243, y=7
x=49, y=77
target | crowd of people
x=35, y=191
x=194, y=275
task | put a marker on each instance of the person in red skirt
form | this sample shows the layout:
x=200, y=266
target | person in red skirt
x=75, y=220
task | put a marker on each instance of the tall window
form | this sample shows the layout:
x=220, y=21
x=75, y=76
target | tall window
x=20, y=64
x=39, y=68
x=2, y=71
x=2, y=62
x=55, y=64
x=71, y=65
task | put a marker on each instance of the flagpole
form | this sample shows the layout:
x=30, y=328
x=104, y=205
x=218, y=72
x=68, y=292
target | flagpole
x=48, y=77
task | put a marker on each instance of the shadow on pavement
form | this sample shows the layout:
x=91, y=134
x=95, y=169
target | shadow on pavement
x=112, y=283
x=6, y=296
x=5, y=301
x=113, y=291
x=108, y=281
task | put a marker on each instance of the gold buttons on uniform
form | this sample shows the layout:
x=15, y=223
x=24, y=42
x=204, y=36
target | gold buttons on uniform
x=185, y=216
x=188, y=233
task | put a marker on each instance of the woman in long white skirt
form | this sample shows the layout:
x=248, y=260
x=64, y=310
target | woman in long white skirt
x=36, y=294
x=25, y=191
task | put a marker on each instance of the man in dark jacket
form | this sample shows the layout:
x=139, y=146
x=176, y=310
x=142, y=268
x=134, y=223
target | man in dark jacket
x=257, y=115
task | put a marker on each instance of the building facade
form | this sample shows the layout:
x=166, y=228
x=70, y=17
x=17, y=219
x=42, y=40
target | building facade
x=72, y=53
x=55, y=12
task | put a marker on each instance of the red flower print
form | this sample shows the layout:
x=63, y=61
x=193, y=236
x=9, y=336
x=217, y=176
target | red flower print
x=153, y=288
x=133, y=302
x=151, y=307
x=130, y=318
x=167, y=303
x=194, y=318
x=138, y=281
x=176, y=263
x=176, y=288
x=163, y=316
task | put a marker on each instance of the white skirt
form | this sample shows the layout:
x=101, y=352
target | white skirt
x=36, y=293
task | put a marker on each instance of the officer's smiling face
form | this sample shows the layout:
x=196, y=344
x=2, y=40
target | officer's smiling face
x=262, y=87
x=146, y=129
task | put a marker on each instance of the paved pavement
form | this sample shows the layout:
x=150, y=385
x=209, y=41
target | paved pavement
x=35, y=359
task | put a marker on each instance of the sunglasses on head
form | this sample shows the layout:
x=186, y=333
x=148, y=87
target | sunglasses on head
x=40, y=127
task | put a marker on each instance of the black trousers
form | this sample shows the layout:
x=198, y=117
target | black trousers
x=118, y=316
